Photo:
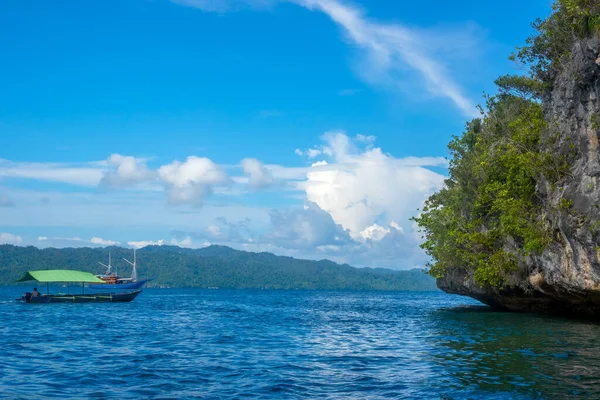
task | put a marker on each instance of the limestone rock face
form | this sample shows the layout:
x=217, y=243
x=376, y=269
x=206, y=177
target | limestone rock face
x=565, y=278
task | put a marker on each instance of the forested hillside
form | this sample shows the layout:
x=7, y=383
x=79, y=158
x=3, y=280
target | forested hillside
x=214, y=266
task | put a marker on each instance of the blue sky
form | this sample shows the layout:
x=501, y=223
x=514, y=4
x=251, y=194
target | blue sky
x=311, y=128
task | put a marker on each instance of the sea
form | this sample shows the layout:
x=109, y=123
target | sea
x=270, y=344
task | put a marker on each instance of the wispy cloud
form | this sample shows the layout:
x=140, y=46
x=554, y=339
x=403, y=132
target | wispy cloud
x=389, y=47
x=223, y=6
x=76, y=241
x=82, y=175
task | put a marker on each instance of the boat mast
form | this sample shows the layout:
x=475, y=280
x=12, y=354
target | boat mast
x=133, y=264
x=108, y=267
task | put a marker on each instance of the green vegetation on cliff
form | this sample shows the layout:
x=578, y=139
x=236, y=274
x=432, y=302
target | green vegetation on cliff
x=214, y=266
x=489, y=217
x=545, y=51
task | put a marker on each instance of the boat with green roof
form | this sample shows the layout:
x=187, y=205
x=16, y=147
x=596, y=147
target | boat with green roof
x=71, y=276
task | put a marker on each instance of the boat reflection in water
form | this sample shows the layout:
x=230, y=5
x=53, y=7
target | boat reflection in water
x=112, y=281
x=70, y=276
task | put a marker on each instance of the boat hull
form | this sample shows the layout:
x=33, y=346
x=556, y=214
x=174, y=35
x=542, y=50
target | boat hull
x=82, y=298
x=117, y=286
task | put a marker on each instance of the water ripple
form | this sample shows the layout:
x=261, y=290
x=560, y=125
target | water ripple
x=295, y=344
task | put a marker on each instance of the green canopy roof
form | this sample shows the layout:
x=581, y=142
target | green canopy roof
x=60, y=275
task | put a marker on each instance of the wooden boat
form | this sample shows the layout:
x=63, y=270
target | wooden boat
x=81, y=298
x=70, y=276
x=112, y=281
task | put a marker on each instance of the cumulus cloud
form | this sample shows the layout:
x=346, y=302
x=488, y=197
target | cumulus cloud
x=311, y=232
x=360, y=189
x=258, y=175
x=103, y=242
x=127, y=171
x=189, y=182
x=9, y=238
x=305, y=228
x=375, y=232
x=358, y=204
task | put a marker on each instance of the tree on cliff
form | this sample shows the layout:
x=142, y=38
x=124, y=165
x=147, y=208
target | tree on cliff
x=489, y=217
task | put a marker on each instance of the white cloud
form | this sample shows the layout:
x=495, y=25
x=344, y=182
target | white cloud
x=312, y=153
x=299, y=152
x=258, y=175
x=365, y=138
x=9, y=238
x=213, y=230
x=363, y=188
x=144, y=243
x=222, y=6
x=185, y=243
x=76, y=241
x=83, y=175
x=103, y=242
x=207, y=5
x=312, y=233
x=375, y=232
x=305, y=228
x=189, y=182
x=338, y=145
x=358, y=203
x=128, y=171
x=391, y=47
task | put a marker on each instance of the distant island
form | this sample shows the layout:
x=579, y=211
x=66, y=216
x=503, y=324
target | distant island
x=214, y=267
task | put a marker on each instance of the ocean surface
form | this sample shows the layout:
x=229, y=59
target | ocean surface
x=193, y=343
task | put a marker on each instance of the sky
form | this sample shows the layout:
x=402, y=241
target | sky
x=308, y=128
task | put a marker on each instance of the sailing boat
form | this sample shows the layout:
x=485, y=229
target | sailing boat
x=113, y=281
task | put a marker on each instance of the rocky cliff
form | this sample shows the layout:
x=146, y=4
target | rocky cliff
x=565, y=277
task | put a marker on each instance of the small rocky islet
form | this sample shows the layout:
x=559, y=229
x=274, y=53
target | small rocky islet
x=518, y=224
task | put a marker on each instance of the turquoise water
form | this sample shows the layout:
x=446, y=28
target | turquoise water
x=209, y=344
